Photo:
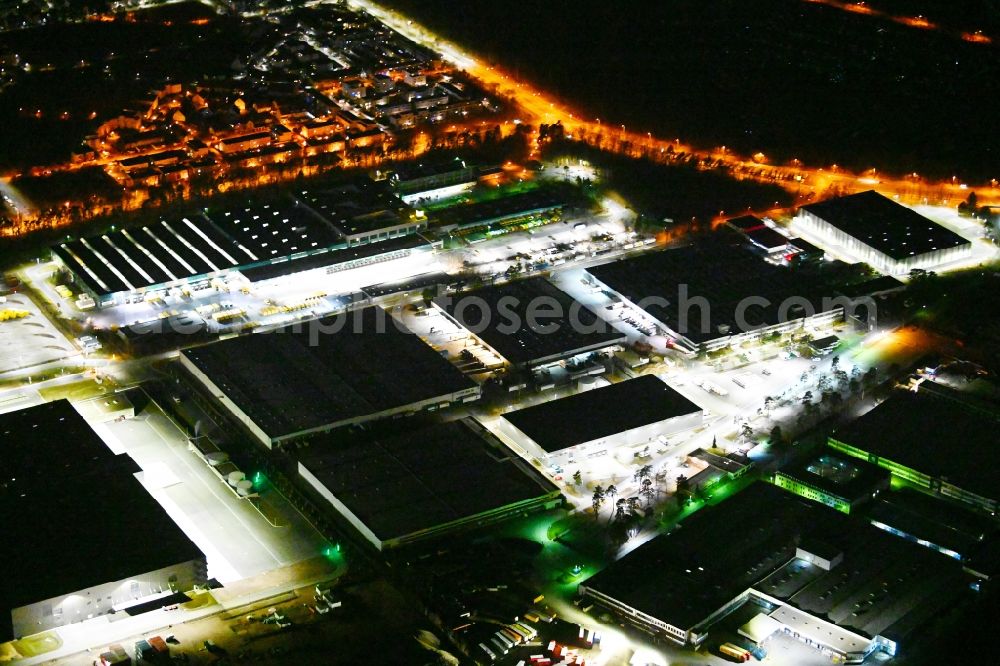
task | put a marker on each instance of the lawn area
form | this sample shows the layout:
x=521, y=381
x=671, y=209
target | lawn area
x=38, y=644
x=78, y=390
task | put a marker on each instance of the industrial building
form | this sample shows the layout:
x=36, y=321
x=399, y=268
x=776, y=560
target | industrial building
x=592, y=423
x=416, y=483
x=83, y=538
x=953, y=529
x=216, y=247
x=312, y=377
x=941, y=444
x=891, y=237
x=529, y=322
x=339, y=259
x=836, y=480
x=431, y=180
x=363, y=211
x=827, y=579
x=713, y=295
x=498, y=216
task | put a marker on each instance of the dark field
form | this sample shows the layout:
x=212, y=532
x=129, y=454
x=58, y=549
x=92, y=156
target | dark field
x=787, y=77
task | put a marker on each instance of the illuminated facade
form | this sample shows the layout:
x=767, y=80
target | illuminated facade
x=95, y=543
x=887, y=235
x=836, y=481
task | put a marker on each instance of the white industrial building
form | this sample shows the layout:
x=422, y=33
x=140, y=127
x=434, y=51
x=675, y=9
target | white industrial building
x=890, y=237
x=94, y=542
x=591, y=424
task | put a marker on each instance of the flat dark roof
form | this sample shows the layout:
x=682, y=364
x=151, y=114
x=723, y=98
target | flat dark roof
x=749, y=541
x=884, y=225
x=498, y=210
x=824, y=343
x=720, y=551
x=767, y=238
x=746, y=223
x=75, y=514
x=938, y=436
x=939, y=521
x=803, y=245
x=717, y=270
x=416, y=479
x=359, y=207
x=273, y=230
x=601, y=412
x=838, y=474
x=575, y=330
x=303, y=377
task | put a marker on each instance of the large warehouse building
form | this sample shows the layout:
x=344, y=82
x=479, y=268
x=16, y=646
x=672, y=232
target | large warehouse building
x=256, y=244
x=937, y=443
x=529, y=322
x=711, y=295
x=417, y=483
x=316, y=376
x=827, y=579
x=83, y=538
x=877, y=230
x=591, y=424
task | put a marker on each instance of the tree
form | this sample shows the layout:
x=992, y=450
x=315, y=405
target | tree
x=621, y=509
x=777, y=438
x=429, y=294
x=970, y=206
x=577, y=477
x=807, y=398
x=647, y=491
x=833, y=398
x=746, y=433
x=611, y=491
x=598, y=500
x=643, y=473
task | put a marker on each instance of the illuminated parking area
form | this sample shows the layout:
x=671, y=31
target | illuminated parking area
x=27, y=337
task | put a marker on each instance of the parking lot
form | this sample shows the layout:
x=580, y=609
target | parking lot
x=29, y=340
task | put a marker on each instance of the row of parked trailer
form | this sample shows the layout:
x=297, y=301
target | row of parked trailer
x=508, y=637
